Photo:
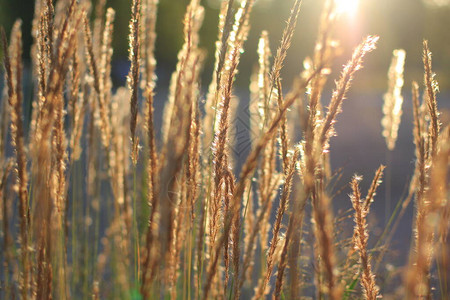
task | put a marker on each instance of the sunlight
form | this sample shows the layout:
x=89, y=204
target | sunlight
x=348, y=7
x=437, y=3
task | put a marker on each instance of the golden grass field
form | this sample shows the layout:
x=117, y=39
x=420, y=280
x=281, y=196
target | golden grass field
x=99, y=202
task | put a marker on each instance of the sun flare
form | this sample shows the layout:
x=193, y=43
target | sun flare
x=348, y=7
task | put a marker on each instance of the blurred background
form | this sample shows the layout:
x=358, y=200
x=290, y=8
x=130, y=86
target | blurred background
x=359, y=146
x=400, y=24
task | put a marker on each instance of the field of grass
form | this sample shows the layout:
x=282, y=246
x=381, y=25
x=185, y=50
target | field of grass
x=96, y=201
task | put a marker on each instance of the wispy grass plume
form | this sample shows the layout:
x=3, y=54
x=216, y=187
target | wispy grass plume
x=393, y=99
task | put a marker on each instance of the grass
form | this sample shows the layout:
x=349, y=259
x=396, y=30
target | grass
x=94, y=204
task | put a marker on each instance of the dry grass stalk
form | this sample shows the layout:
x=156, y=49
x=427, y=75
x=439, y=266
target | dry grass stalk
x=4, y=125
x=224, y=179
x=37, y=51
x=220, y=142
x=152, y=192
x=439, y=184
x=171, y=192
x=76, y=108
x=103, y=106
x=59, y=144
x=324, y=47
x=284, y=139
x=262, y=110
x=419, y=135
x=58, y=184
x=168, y=200
x=42, y=69
x=220, y=145
x=419, y=140
x=5, y=217
x=393, y=99
x=283, y=260
x=376, y=181
x=38, y=6
x=232, y=35
x=285, y=42
x=342, y=87
x=323, y=230
x=261, y=290
x=295, y=247
x=193, y=181
x=250, y=240
x=209, y=119
x=371, y=291
x=434, y=202
x=192, y=23
x=187, y=186
x=13, y=67
x=315, y=147
x=133, y=76
x=98, y=25
x=224, y=42
x=179, y=236
x=106, y=54
x=418, y=128
x=41, y=155
x=260, y=85
x=122, y=222
x=249, y=221
x=117, y=158
x=276, y=83
x=148, y=39
x=291, y=242
x=59, y=189
x=323, y=55
x=179, y=114
x=49, y=48
x=240, y=27
x=275, y=75
x=270, y=181
x=246, y=173
x=432, y=88
x=417, y=278
x=193, y=162
x=199, y=247
x=48, y=28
